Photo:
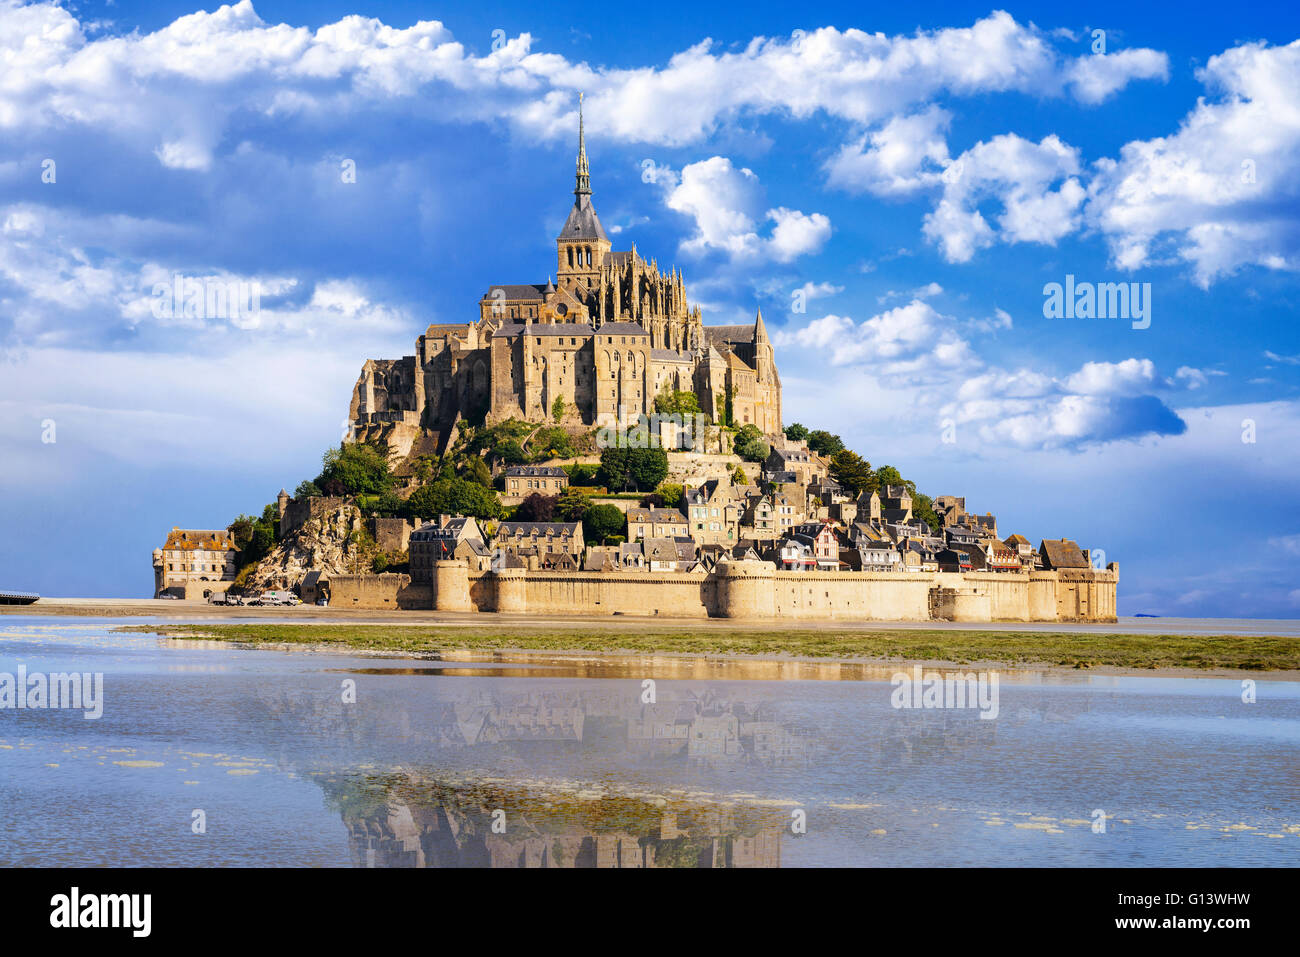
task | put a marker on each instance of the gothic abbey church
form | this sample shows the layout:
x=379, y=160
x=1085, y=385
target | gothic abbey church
x=609, y=334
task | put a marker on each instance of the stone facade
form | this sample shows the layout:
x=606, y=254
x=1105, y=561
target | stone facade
x=596, y=344
x=194, y=563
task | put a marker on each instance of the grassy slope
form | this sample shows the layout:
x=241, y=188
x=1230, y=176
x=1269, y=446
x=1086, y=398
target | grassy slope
x=1267, y=653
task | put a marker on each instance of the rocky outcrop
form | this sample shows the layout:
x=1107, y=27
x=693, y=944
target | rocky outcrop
x=321, y=544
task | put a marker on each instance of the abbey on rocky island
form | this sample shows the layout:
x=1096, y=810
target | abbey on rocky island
x=597, y=344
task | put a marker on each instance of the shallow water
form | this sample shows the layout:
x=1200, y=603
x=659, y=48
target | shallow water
x=486, y=760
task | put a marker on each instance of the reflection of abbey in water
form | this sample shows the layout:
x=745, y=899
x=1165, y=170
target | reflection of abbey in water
x=408, y=822
x=705, y=728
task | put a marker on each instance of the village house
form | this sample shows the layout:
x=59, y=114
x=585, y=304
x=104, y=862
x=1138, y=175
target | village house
x=786, y=510
x=917, y=556
x=714, y=512
x=1023, y=548
x=869, y=506
x=759, y=521
x=878, y=556
x=524, y=480
x=665, y=555
x=896, y=498
x=602, y=558
x=656, y=523
x=537, y=538
x=985, y=524
x=961, y=536
x=794, y=460
x=954, y=560
x=993, y=556
x=950, y=509
x=195, y=563
x=450, y=537
x=823, y=544
x=794, y=553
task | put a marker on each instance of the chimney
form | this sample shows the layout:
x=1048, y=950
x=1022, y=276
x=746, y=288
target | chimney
x=443, y=520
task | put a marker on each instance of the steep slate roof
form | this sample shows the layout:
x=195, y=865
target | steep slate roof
x=661, y=550
x=193, y=538
x=622, y=329
x=1062, y=553
x=540, y=329
x=658, y=516
x=528, y=291
x=728, y=334
x=583, y=223
x=541, y=528
x=534, y=471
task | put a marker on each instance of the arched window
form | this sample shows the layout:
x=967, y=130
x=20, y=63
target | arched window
x=570, y=251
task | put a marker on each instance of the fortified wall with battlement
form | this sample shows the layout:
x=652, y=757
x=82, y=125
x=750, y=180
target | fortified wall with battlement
x=740, y=590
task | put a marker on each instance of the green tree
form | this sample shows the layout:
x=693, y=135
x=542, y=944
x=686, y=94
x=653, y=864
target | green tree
x=386, y=505
x=671, y=493
x=825, y=443
x=358, y=468
x=851, y=470
x=923, y=508
x=255, y=537
x=550, y=443
x=453, y=496
x=557, y=408
x=750, y=444
x=394, y=561
x=738, y=477
x=796, y=432
x=623, y=468
x=307, y=489
x=649, y=467
x=510, y=452
x=582, y=474
x=602, y=521
x=241, y=531
x=476, y=470
x=676, y=402
x=888, y=475
x=572, y=505
x=537, y=508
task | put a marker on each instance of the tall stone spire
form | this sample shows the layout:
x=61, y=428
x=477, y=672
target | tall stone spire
x=583, y=223
x=584, y=173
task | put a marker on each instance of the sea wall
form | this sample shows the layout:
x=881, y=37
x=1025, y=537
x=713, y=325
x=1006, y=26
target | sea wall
x=378, y=591
x=747, y=590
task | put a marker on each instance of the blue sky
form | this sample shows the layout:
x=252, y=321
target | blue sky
x=893, y=188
